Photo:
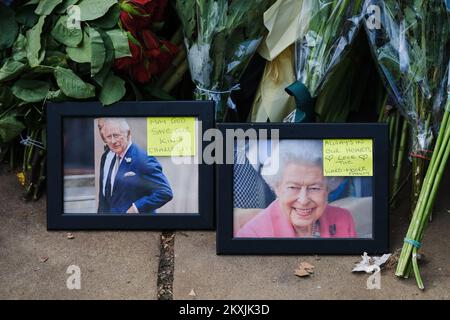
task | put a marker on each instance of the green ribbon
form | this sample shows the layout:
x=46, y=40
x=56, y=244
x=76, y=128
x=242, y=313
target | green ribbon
x=304, y=102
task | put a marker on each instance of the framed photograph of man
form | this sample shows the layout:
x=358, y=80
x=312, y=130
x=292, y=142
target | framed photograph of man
x=303, y=188
x=133, y=165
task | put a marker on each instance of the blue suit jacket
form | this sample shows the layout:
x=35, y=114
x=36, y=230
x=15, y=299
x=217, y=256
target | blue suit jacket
x=139, y=180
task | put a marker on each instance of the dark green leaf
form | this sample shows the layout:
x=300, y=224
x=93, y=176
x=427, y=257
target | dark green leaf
x=35, y=54
x=94, y=9
x=7, y=99
x=120, y=42
x=97, y=51
x=113, y=90
x=8, y=27
x=11, y=69
x=26, y=16
x=55, y=59
x=30, y=90
x=71, y=37
x=10, y=128
x=45, y=7
x=72, y=86
x=110, y=19
x=19, y=49
x=81, y=54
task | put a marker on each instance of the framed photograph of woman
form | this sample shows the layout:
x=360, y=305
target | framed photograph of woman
x=133, y=165
x=303, y=188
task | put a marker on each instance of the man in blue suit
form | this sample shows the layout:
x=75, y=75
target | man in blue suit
x=130, y=180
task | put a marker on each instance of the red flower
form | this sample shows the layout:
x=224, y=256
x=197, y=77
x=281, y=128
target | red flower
x=156, y=9
x=124, y=63
x=153, y=56
x=134, y=23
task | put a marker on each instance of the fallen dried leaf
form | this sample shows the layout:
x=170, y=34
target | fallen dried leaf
x=70, y=236
x=301, y=273
x=192, y=293
x=304, y=269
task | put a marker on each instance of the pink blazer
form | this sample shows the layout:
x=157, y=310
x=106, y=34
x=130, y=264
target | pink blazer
x=271, y=223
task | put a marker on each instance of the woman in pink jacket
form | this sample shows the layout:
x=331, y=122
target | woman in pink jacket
x=301, y=208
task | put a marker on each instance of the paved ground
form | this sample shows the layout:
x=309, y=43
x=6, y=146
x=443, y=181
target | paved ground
x=124, y=264
x=210, y=276
x=114, y=265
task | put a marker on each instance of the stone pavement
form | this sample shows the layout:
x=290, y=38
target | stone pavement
x=114, y=265
x=124, y=265
x=198, y=268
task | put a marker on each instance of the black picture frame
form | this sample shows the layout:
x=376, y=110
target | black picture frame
x=379, y=243
x=58, y=220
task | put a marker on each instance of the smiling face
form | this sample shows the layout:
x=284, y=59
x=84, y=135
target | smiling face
x=303, y=196
x=116, y=138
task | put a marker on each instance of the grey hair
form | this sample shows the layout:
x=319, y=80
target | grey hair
x=300, y=152
x=121, y=122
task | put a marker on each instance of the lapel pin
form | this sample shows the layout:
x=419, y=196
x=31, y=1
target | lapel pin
x=127, y=160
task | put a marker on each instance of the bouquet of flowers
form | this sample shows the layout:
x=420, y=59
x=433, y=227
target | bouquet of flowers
x=411, y=46
x=71, y=50
x=326, y=30
x=427, y=197
x=221, y=36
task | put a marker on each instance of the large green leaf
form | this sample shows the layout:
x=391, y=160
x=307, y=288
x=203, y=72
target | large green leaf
x=81, y=54
x=35, y=53
x=109, y=58
x=120, y=42
x=11, y=69
x=30, y=90
x=94, y=9
x=72, y=86
x=10, y=128
x=45, y=7
x=113, y=90
x=8, y=27
x=19, y=49
x=71, y=37
x=97, y=51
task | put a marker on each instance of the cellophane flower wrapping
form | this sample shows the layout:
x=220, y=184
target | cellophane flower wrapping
x=325, y=33
x=221, y=36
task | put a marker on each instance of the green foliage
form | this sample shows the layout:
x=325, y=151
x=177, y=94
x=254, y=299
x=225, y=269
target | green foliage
x=10, y=128
x=8, y=27
x=113, y=89
x=72, y=86
x=30, y=90
x=94, y=9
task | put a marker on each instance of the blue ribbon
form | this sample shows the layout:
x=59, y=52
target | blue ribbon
x=447, y=3
x=414, y=243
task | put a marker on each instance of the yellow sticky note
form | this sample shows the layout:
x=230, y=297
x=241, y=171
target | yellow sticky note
x=347, y=157
x=171, y=136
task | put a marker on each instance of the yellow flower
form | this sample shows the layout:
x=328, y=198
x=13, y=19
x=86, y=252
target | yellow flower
x=21, y=178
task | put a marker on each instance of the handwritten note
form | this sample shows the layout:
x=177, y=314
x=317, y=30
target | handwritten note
x=348, y=157
x=171, y=136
